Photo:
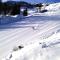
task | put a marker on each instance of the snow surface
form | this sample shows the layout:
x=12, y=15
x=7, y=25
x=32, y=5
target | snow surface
x=39, y=33
x=53, y=9
x=37, y=51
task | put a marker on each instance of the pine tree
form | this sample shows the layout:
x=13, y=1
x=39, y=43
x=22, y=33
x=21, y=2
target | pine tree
x=25, y=12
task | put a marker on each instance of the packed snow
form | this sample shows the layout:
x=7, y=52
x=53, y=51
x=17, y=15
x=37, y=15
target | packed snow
x=38, y=33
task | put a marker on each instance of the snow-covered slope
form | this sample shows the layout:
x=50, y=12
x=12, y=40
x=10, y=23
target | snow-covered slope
x=55, y=6
x=53, y=9
x=45, y=51
x=29, y=32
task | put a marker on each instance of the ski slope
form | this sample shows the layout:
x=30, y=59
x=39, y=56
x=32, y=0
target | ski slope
x=25, y=33
x=29, y=32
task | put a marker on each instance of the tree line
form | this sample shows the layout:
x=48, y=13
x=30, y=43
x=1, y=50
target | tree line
x=13, y=8
x=9, y=9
